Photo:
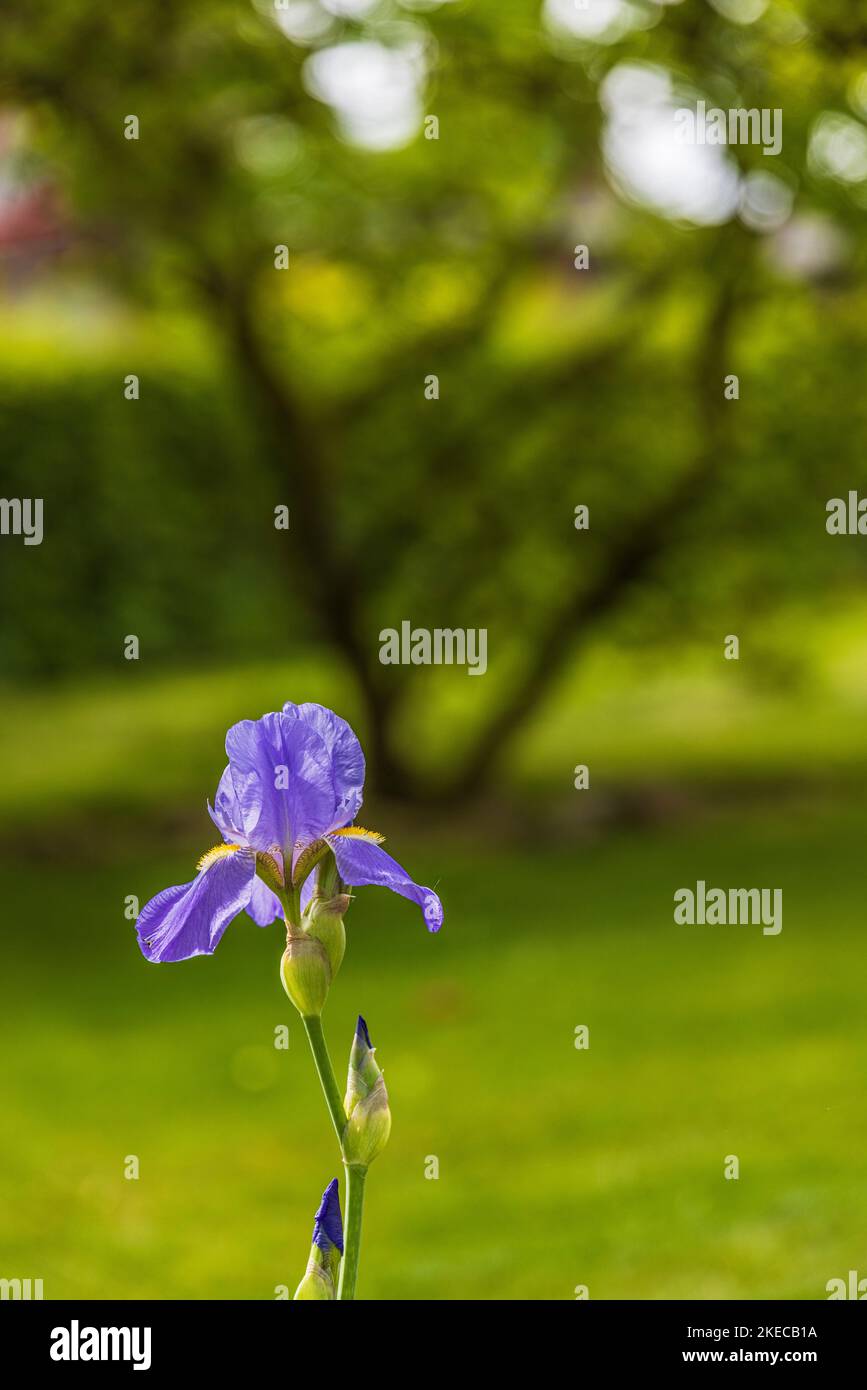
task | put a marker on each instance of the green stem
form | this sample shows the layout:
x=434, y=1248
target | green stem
x=291, y=900
x=355, y=1176
x=333, y=1099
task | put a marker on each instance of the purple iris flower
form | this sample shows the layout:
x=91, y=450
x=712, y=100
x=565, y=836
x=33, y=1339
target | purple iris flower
x=288, y=796
x=328, y=1225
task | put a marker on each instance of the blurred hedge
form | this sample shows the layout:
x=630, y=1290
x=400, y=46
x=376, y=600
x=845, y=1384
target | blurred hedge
x=154, y=523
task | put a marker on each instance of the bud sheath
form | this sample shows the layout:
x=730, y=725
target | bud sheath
x=368, y=1118
x=306, y=974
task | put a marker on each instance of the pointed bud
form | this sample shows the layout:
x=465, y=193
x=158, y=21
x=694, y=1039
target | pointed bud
x=306, y=974
x=320, y=1276
x=368, y=1118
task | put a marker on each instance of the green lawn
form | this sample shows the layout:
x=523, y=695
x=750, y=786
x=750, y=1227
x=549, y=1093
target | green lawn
x=557, y=1167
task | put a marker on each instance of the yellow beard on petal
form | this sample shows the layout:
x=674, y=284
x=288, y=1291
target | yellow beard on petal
x=357, y=832
x=216, y=853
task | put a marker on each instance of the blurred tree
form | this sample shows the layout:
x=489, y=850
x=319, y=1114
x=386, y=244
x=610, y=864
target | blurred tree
x=302, y=124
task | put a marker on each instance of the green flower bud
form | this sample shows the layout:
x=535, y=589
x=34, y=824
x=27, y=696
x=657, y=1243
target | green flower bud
x=324, y=921
x=368, y=1128
x=327, y=877
x=368, y=1118
x=317, y=1282
x=306, y=973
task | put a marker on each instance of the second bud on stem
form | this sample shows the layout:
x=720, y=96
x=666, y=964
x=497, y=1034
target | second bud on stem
x=315, y=944
x=368, y=1118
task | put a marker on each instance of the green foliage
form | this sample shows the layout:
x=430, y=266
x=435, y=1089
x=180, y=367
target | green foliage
x=450, y=257
x=154, y=525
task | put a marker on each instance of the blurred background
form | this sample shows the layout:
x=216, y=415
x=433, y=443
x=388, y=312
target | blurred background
x=420, y=248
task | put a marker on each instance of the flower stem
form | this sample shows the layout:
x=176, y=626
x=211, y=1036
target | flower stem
x=291, y=900
x=355, y=1172
x=355, y=1176
x=319, y=1048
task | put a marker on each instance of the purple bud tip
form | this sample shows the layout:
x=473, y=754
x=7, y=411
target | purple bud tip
x=328, y=1226
x=361, y=1032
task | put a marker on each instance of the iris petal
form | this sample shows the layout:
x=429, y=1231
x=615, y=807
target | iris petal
x=264, y=905
x=281, y=774
x=189, y=920
x=347, y=759
x=361, y=860
x=226, y=811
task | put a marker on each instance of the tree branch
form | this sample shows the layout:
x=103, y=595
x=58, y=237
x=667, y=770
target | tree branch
x=321, y=570
x=630, y=560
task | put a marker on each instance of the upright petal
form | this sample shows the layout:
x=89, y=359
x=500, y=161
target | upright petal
x=226, y=814
x=226, y=811
x=281, y=773
x=347, y=759
x=190, y=920
x=361, y=860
